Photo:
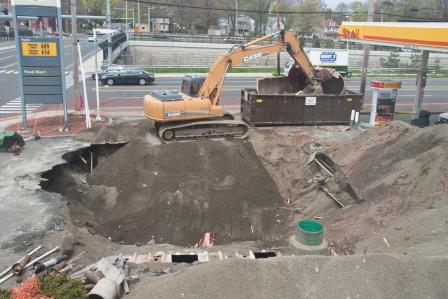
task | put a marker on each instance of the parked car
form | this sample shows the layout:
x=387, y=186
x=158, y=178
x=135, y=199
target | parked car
x=443, y=118
x=234, y=40
x=110, y=69
x=127, y=76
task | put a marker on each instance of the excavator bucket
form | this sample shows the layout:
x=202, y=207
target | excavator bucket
x=331, y=81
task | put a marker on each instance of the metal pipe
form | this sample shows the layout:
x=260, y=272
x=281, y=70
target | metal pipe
x=31, y=263
x=39, y=267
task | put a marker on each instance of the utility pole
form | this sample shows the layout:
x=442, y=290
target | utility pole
x=365, y=65
x=109, y=35
x=75, y=56
x=350, y=19
x=138, y=11
x=236, y=18
x=149, y=18
x=126, y=17
x=278, y=29
x=421, y=84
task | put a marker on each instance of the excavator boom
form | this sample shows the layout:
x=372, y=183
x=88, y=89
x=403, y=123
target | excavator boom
x=239, y=55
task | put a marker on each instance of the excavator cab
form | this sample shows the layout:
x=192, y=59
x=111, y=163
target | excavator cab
x=192, y=84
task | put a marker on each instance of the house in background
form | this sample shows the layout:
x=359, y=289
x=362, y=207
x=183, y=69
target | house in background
x=245, y=25
x=160, y=21
x=217, y=31
x=271, y=25
x=331, y=28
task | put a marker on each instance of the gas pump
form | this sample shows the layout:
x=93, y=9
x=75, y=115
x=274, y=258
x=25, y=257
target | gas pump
x=383, y=101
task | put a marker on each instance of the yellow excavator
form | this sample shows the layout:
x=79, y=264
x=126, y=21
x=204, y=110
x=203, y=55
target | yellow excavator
x=194, y=112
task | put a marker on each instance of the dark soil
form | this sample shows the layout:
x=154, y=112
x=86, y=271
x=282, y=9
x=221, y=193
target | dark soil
x=174, y=193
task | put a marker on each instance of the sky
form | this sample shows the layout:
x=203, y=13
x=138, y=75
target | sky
x=333, y=3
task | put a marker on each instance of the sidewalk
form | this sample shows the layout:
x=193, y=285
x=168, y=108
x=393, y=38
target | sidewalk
x=7, y=47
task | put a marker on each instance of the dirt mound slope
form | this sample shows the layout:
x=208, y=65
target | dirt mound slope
x=373, y=276
x=399, y=170
x=176, y=192
x=402, y=170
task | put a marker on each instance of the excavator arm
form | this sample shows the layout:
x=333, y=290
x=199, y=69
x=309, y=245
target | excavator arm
x=212, y=86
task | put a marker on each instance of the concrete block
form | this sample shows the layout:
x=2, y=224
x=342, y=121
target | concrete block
x=297, y=248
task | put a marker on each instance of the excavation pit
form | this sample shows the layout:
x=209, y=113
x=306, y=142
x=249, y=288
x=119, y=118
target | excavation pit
x=172, y=193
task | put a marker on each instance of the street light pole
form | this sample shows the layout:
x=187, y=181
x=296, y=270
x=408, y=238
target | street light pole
x=149, y=18
x=236, y=18
x=109, y=34
x=350, y=19
x=75, y=56
x=278, y=29
x=365, y=65
x=138, y=11
x=126, y=17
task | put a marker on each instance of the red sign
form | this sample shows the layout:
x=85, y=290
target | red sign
x=347, y=33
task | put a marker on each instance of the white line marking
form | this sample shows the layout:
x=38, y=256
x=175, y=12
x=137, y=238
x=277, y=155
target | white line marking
x=9, y=72
x=2, y=71
x=15, y=109
x=7, y=66
x=7, y=57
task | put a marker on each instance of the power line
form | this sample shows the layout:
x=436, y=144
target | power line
x=280, y=12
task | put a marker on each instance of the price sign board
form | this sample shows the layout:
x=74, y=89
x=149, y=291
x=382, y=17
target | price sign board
x=41, y=70
x=39, y=49
x=40, y=59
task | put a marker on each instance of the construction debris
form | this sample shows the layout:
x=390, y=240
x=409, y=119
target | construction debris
x=332, y=175
x=11, y=141
x=5, y=278
x=301, y=212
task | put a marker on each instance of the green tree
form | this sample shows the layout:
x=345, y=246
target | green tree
x=392, y=61
x=359, y=11
x=309, y=23
x=416, y=59
x=261, y=14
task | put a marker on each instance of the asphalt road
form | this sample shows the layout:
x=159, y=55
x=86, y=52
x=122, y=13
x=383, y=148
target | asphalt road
x=9, y=78
x=435, y=100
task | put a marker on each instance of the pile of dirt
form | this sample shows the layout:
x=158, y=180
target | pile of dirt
x=372, y=276
x=402, y=170
x=174, y=193
x=398, y=170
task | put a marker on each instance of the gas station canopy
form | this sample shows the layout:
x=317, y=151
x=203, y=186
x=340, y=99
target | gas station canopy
x=423, y=36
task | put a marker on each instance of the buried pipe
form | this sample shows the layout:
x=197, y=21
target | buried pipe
x=104, y=289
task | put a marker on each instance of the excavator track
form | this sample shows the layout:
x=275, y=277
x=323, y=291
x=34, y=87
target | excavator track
x=203, y=130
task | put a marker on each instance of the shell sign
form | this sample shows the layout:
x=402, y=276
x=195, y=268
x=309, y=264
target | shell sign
x=423, y=35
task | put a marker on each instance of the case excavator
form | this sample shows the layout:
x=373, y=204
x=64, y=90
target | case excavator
x=194, y=112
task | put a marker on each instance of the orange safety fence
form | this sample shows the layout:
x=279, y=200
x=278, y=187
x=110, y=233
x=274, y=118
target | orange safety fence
x=30, y=289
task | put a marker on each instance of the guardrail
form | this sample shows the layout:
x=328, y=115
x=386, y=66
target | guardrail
x=146, y=36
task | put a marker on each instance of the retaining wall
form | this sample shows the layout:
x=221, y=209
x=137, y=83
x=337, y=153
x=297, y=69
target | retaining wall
x=157, y=53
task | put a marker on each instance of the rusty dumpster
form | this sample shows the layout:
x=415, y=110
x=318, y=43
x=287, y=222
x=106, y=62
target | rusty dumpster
x=292, y=109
